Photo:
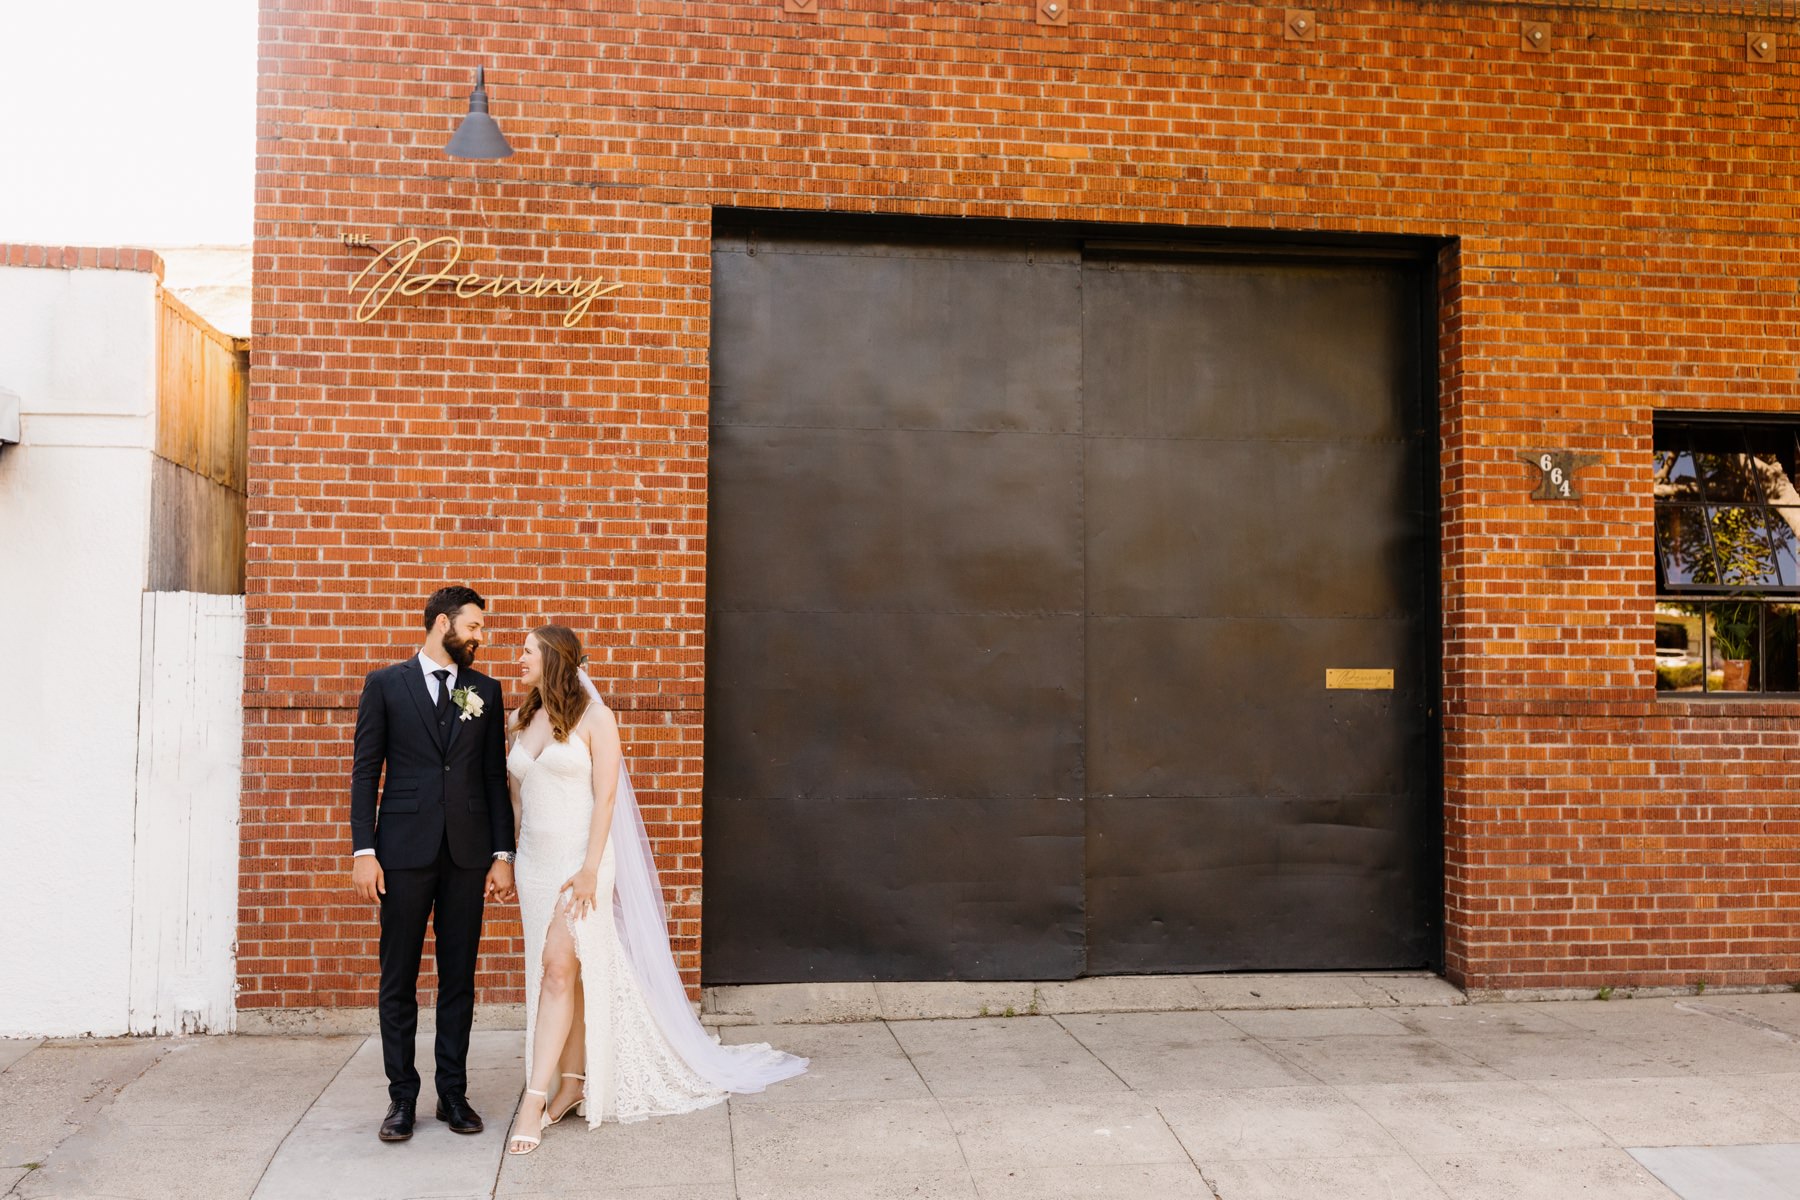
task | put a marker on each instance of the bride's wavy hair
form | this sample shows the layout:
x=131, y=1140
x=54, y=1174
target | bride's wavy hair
x=558, y=691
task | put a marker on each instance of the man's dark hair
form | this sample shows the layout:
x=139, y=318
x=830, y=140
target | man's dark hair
x=450, y=601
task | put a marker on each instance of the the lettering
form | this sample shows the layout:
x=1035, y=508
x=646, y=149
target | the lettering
x=414, y=265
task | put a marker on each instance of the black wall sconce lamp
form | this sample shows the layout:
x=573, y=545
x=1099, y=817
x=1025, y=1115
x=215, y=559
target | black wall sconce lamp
x=478, y=136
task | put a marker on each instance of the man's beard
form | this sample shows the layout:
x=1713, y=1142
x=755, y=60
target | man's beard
x=460, y=650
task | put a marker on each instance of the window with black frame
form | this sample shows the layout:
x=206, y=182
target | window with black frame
x=1727, y=556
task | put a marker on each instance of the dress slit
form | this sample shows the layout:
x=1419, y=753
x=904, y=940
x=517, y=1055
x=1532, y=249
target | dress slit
x=563, y=909
x=632, y=1072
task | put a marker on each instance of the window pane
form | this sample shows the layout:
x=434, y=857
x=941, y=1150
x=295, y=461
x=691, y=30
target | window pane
x=1676, y=476
x=1772, y=479
x=1678, y=667
x=1682, y=548
x=1740, y=542
x=1772, y=454
x=1784, y=531
x=1725, y=470
x=1781, y=648
x=1731, y=634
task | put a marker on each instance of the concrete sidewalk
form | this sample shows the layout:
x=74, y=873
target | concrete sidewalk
x=1509, y=1101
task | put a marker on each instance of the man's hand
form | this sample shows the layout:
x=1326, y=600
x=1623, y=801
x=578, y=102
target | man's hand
x=500, y=881
x=367, y=879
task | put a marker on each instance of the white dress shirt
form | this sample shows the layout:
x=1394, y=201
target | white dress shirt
x=431, y=683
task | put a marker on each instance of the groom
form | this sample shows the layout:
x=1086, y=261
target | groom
x=437, y=846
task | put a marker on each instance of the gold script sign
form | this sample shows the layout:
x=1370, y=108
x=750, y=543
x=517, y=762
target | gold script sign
x=1361, y=679
x=406, y=275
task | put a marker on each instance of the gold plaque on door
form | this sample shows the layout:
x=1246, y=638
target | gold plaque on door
x=1365, y=679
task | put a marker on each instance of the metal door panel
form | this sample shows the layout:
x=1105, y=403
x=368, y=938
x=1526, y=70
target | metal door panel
x=925, y=888
x=1191, y=348
x=903, y=521
x=1255, y=517
x=893, y=705
x=894, y=697
x=1191, y=707
x=1285, y=882
x=900, y=336
x=1252, y=528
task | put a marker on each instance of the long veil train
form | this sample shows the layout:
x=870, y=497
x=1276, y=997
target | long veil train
x=644, y=933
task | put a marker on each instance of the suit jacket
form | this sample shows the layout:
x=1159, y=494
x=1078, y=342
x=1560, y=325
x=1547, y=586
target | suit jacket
x=447, y=781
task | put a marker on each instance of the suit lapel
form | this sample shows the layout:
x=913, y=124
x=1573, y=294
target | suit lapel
x=417, y=688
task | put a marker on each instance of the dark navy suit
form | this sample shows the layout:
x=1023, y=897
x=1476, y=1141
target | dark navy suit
x=443, y=812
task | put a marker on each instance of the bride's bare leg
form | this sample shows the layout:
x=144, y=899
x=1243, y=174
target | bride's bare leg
x=555, y=1013
x=574, y=1056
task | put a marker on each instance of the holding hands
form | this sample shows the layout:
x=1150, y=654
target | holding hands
x=500, y=881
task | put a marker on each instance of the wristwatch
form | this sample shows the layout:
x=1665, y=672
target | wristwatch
x=505, y=856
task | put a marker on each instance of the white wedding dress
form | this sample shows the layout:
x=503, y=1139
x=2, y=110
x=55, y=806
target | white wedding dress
x=647, y=1054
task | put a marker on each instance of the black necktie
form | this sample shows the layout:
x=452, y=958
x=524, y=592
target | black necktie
x=443, y=701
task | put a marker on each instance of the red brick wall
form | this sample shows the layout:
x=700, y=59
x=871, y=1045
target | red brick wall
x=1622, y=207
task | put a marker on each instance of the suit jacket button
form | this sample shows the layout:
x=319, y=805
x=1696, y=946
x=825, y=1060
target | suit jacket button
x=446, y=768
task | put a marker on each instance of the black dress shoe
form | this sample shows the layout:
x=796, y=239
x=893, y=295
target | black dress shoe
x=398, y=1125
x=455, y=1112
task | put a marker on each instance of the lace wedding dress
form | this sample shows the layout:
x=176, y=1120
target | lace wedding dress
x=647, y=1054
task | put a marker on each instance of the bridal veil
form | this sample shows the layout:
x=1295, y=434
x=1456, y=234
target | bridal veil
x=644, y=933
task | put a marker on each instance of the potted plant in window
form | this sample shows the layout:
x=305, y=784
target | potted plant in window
x=1733, y=630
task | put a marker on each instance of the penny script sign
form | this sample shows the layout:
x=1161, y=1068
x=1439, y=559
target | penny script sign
x=413, y=265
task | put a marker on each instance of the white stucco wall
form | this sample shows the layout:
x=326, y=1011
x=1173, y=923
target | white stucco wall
x=79, y=348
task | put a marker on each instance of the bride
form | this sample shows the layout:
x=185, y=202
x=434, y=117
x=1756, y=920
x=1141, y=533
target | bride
x=608, y=1029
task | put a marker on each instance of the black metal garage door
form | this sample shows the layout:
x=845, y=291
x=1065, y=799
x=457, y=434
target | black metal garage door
x=1028, y=562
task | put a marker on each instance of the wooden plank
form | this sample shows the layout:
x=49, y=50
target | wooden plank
x=197, y=528
x=198, y=495
x=185, y=843
x=202, y=397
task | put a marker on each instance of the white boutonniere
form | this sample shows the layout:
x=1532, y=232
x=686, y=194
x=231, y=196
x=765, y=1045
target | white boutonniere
x=467, y=700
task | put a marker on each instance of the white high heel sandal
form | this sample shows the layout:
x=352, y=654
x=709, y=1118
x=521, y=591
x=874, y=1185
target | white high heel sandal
x=580, y=1106
x=525, y=1139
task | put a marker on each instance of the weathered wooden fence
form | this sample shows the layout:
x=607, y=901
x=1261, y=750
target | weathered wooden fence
x=198, y=487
